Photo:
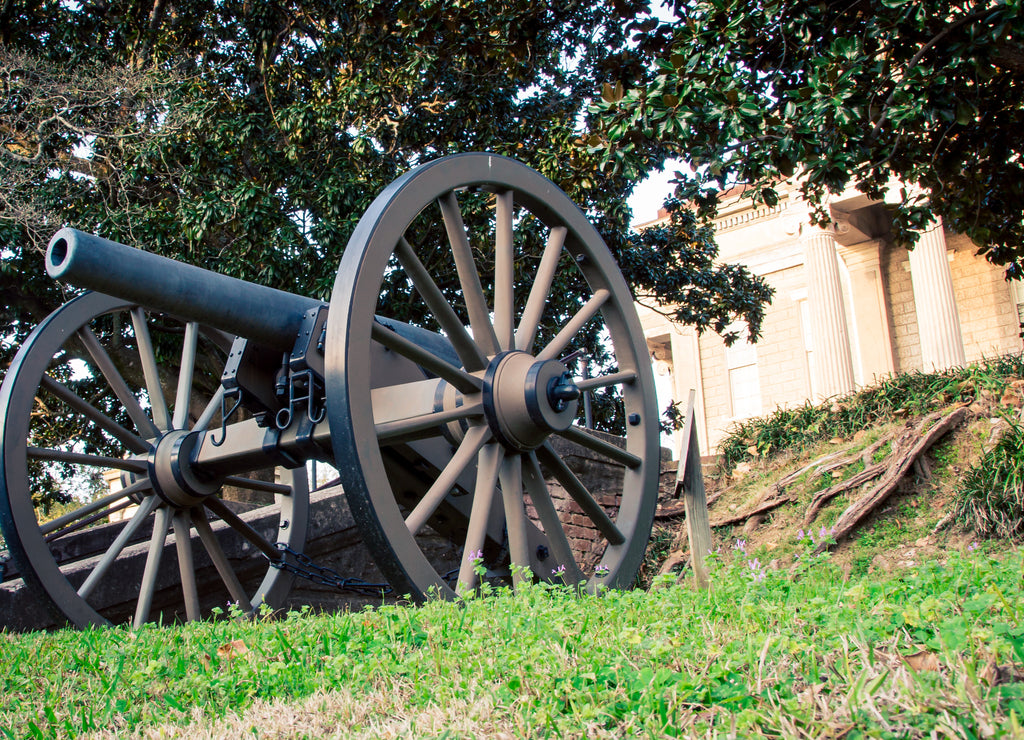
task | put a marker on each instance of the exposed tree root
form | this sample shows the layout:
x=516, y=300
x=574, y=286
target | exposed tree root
x=907, y=449
x=760, y=508
x=823, y=497
x=789, y=479
x=676, y=508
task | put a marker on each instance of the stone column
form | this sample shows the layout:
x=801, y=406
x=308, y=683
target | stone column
x=833, y=364
x=938, y=321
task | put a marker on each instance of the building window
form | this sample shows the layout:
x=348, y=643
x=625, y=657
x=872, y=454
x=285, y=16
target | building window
x=744, y=382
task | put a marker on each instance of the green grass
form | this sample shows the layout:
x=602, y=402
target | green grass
x=990, y=497
x=782, y=653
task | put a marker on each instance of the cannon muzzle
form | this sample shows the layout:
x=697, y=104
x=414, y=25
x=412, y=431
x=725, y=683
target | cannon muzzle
x=268, y=316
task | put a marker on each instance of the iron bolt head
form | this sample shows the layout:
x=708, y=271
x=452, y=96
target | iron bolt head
x=542, y=552
x=633, y=419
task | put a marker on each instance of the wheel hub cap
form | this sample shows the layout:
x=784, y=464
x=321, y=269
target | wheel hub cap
x=526, y=400
x=171, y=472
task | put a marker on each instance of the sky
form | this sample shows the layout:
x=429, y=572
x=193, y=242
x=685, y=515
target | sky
x=648, y=196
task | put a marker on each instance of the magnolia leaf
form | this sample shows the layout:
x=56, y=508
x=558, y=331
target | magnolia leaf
x=612, y=94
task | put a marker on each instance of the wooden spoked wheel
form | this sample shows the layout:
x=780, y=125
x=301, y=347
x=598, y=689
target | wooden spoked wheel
x=102, y=385
x=445, y=447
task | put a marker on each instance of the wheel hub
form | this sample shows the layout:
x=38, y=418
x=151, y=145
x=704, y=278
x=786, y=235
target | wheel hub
x=526, y=400
x=171, y=472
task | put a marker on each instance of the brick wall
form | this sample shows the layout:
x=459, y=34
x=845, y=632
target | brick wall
x=782, y=353
x=903, y=329
x=781, y=357
x=988, y=314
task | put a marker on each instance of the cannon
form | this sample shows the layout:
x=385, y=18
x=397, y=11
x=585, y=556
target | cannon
x=189, y=384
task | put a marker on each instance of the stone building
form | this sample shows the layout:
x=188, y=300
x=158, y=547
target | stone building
x=850, y=307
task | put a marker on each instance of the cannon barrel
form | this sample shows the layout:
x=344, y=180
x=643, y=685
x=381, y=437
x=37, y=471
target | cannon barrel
x=266, y=315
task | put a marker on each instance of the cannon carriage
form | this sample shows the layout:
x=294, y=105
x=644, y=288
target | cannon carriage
x=189, y=383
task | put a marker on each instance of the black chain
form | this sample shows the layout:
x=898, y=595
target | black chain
x=304, y=567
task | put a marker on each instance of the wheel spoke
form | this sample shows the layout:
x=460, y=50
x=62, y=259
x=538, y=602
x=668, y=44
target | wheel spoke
x=186, y=563
x=220, y=560
x=460, y=379
x=156, y=550
x=150, y=370
x=81, y=458
x=117, y=384
x=232, y=519
x=212, y=407
x=577, y=322
x=625, y=377
x=119, y=543
x=479, y=517
x=540, y=289
x=185, y=373
x=469, y=278
x=504, y=272
x=463, y=344
x=511, y=477
x=579, y=493
x=82, y=523
x=129, y=439
x=541, y=498
x=251, y=484
x=475, y=438
x=93, y=506
x=585, y=439
x=405, y=429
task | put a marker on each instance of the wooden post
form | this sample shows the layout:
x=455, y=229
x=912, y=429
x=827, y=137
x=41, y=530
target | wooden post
x=690, y=482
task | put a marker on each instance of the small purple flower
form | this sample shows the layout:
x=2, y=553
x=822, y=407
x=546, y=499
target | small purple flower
x=757, y=571
x=602, y=570
x=800, y=535
x=477, y=556
x=559, y=571
x=741, y=546
x=972, y=547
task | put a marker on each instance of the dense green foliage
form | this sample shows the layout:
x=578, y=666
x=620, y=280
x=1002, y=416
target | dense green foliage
x=837, y=94
x=938, y=649
x=899, y=395
x=250, y=137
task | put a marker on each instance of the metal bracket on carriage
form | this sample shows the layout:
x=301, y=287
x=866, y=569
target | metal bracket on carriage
x=302, y=382
x=249, y=378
